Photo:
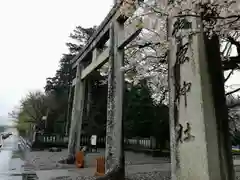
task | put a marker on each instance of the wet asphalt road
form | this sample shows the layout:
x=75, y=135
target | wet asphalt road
x=11, y=157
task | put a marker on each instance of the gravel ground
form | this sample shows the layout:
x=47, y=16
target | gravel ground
x=44, y=160
x=47, y=160
x=137, y=176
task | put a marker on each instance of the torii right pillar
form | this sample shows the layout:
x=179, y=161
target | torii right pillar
x=200, y=143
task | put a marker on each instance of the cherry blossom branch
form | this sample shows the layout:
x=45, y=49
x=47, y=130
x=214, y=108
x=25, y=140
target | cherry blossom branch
x=234, y=42
x=164, y=96
x=141, y=46
x=158, y=11
x=237, y=17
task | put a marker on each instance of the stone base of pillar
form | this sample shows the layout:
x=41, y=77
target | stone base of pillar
x=116, y=173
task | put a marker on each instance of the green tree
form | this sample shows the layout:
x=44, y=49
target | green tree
x=59, y=85
x=80, y=35
x=95, y=118
x=143, y=117
x=30, y=112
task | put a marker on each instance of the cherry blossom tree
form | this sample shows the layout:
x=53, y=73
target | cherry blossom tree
x=146, y=56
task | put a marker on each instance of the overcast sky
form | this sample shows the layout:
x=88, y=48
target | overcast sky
x=33, y=34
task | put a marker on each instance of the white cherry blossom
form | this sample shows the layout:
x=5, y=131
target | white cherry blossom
x=146, y=56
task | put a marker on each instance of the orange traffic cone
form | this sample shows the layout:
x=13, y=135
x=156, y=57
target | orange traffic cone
x=100, y=166
x=79, y=159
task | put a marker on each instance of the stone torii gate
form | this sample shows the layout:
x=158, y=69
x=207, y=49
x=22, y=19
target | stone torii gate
x=200, y=146
x=92, y=57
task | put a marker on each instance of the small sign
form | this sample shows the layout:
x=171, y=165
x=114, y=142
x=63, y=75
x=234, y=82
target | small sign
x=94, y=140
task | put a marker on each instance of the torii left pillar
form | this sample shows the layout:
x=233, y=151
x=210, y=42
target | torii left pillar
x=77, y=115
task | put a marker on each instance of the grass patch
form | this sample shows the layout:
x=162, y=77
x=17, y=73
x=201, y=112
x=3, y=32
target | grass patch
x=236, y=151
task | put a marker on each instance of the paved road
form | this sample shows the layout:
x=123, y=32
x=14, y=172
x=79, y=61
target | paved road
x=10, y=157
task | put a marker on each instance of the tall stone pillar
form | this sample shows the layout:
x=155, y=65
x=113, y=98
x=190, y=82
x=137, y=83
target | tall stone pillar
x=110, y=105
x=89, y=96
x=70, y=94
x=77, y=114
x=81, y=113
x=114, y=130
x=198, y=133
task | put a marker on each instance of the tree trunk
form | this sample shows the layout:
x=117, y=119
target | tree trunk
x=219, y=99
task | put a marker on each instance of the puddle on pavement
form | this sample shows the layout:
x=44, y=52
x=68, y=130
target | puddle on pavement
x=12, y=156
x=19, y=177
x=18, y=174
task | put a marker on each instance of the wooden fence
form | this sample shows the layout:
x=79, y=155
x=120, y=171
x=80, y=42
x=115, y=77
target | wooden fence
x=50, y=140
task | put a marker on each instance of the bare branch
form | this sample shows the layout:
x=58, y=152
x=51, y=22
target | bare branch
x=234, y=42
x=231, y=92
x=232, y=64
x=229, y=75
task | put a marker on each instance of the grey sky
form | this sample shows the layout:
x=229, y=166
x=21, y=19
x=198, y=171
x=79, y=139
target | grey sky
x=33, y=34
